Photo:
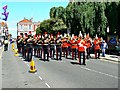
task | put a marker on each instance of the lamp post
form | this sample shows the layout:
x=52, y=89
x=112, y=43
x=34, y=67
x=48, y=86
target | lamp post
x=107, y=38
x=107, y=33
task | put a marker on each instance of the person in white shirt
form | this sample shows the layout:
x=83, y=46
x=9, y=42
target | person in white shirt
x=104, y=46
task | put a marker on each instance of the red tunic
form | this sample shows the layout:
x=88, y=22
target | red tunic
x=96, y=45
x=74, y=44
x=82, y=48
x=64, y=43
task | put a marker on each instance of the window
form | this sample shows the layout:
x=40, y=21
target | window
x=21, y=27
x=30, y=27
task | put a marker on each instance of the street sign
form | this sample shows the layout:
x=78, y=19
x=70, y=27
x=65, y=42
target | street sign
x=112, y=41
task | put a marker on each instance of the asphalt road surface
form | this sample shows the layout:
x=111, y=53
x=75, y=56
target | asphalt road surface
x=58, y=74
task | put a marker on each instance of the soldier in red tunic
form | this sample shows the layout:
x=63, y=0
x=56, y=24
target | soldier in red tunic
x=81, y=50
x=74, y=47
x=97, y=47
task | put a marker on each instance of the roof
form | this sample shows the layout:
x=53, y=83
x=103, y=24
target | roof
x=25, y=21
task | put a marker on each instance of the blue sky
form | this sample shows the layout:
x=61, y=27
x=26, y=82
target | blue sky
x=18, y=10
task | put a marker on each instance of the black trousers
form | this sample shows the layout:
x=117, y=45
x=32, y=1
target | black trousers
x=97, y=53
x=5, y=47
x=52, y=52
x=39, y=52
x=24, y=51
x=35, y=50
x=65, y=50
x=30, y=53
x=58, y=51
x=80, y=54
x=74, y=51
x=88, y=53
x=45, y=50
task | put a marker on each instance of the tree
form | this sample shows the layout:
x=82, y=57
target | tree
x=53, y=12
x=38, y=30
x=112, y=14
x=51, y=25
x=89, y=17
x=58, y=25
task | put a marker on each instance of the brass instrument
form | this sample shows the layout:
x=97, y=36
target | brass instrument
x=39, y=41
x=21, y=39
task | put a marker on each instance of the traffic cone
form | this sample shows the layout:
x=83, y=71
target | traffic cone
x=13, y=47
x=16, y=53
x=32, y=67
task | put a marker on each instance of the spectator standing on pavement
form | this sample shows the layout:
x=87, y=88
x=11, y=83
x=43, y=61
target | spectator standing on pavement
x=0, y=43
x=104, y=46
x=6, y=44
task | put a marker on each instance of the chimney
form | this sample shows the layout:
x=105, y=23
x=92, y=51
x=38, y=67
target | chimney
x=31, y=19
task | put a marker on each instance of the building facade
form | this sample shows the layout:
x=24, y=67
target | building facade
x=3, y=28
x=26, y=26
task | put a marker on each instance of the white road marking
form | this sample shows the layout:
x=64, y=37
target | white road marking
x=23, y=59
x=25, y=62
x=28, y=65
x=20, y=57
x=47, y=85
x=101, y=73
x=40, y=77
x=35, y=73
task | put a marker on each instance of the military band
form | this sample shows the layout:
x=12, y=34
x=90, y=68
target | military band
x=45, y=46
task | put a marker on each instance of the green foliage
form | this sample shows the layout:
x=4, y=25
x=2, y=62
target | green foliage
x=88, y=17
x=51, y=25
x=113, y=14
x=38, y=30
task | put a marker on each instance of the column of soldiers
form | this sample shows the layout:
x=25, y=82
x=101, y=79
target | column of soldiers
x=42, y=45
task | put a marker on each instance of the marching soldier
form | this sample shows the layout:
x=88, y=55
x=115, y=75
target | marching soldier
x=97, y=47
x=88, y=45
x=35, y=45
x=69, y=45
x=18, y=43
x=58, y=48
x=81, y=50
x=24, y=47
x=45, y=47
x=74, y=47
x=52, y=47
x=30, y=48
x=65, y=46
x=39, y=46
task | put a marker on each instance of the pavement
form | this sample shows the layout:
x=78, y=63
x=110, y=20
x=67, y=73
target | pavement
x=1, y=51
x=114, y=58
x=58, y=74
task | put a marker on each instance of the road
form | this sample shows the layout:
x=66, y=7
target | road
x=58, y=74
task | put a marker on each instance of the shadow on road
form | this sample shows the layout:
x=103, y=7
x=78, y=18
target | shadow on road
x=44, y=60
x=75, y=63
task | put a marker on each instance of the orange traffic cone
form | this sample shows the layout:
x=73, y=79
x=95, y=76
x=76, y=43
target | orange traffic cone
x=32, y=67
